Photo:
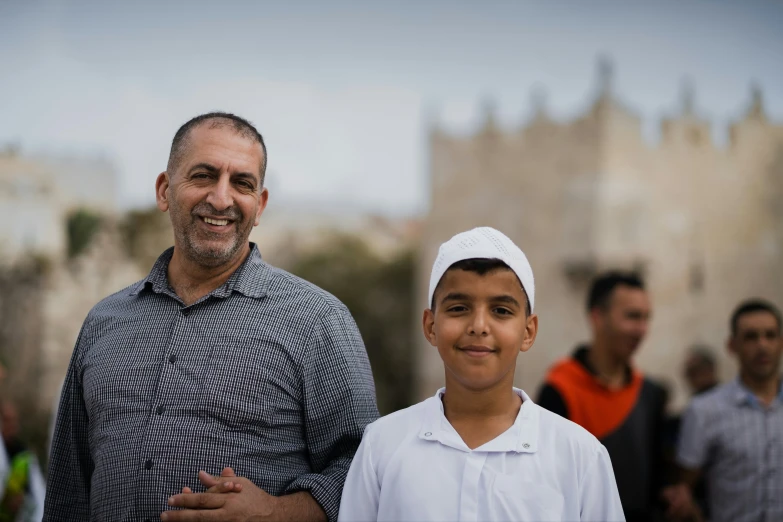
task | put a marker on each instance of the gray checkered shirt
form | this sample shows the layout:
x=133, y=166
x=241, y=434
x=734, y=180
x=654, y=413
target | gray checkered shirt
x=267, y=374
x=739, y=445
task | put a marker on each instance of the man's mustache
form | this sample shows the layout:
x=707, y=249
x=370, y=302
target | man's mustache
x=206, y=210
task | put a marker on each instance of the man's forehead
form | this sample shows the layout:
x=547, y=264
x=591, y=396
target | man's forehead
x=212, y=130
x=221, y=143
x=629, y=295
x=757, y=320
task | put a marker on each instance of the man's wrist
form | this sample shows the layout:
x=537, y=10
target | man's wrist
x=299, y=505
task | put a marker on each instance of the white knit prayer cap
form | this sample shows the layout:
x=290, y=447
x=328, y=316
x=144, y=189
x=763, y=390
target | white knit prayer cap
x=483, y=243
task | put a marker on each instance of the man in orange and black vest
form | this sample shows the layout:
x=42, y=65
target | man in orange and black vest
x=599, y=389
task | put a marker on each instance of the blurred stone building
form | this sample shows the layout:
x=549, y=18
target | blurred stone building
x=703, y=222
x=45, y=296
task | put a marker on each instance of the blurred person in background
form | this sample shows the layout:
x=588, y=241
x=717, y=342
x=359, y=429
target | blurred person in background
x=700, y=372
x=24, y=488
x=599, y=388
x=215, y=359
x=4, y=464
x=733, y=434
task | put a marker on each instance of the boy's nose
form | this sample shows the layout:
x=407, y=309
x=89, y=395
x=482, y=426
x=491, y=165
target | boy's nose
x=479, y=324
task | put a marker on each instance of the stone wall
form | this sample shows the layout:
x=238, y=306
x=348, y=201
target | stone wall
x=702, y=222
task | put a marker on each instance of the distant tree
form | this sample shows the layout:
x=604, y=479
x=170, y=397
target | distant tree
x=82, y=225
x=379, y=294
x=145, y=234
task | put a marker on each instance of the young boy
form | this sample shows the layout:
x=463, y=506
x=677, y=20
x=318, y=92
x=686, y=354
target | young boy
x=480, y=449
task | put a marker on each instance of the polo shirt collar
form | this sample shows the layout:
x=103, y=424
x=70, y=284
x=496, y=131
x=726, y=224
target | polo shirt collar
x=521, y=437
x=250, y=279
x=744, y=397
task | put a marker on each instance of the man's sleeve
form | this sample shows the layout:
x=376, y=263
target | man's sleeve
x=599, y=498
x=694, y=441
x=362, y=491
x=551, y=399
x=339, y=403
x=70, y=462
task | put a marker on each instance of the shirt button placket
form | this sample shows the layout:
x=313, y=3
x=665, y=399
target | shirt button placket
x=474, y=464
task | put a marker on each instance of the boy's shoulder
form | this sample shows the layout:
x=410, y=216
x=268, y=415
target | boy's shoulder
x=400, y=422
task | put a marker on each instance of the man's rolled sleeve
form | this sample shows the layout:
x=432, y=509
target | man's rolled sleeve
x=339, y=402
x=70, y=462
x=694, y=440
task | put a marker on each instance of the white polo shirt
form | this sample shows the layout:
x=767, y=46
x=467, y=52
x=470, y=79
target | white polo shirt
x=413, y=466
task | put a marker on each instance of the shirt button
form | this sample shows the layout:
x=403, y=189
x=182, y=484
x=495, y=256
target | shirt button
x=185, y=311
x=160, y=409
x=173, y=358
x=148, y=464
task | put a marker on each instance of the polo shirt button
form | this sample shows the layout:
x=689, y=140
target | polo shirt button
x=160, y=409
x=185, y=311
x=148, y=464
x=173, y=358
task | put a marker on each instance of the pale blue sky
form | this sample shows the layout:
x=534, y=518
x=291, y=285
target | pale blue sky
x=341, y=89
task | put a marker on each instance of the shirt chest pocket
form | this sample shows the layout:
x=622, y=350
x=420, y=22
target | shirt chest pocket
x=248, y=385
x=521, y=499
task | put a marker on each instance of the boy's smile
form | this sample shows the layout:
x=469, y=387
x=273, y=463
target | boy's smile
x=479, y=326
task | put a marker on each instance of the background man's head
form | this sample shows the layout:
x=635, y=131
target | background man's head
x=755, y=339
x=619, y=310
x=701, y=371
x=214, y=187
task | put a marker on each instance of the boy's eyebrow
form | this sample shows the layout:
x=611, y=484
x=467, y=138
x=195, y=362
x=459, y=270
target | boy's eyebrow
x=505, y=299
x=455, y=296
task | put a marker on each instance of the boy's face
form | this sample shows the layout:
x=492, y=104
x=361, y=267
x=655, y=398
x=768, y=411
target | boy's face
x=479, y=327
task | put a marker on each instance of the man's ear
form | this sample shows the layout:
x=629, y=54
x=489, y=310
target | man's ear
x=263, y=198
x=428, y=325
x=531, y=330
x=731, y=344
x=162, y=191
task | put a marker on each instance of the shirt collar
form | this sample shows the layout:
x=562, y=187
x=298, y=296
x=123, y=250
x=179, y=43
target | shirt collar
x=744, y=397
x=250, y=279
x=521, y=437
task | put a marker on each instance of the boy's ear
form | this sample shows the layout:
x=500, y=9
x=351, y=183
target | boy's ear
x=428, y=324
x=531, y=330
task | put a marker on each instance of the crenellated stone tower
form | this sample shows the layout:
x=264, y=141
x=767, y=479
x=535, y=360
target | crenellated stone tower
x=703, y=222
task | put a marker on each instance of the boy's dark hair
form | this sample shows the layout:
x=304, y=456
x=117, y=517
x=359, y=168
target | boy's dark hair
x=750, y=306
x=215, y=120
x=481, y=267
x=603, y=286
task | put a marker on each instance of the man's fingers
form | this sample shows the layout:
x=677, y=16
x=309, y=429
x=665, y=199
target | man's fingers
x=189, y=515
x=227, y=472
x=208, y=480
x=226, y=486
x=186, y=490
x=198, y=501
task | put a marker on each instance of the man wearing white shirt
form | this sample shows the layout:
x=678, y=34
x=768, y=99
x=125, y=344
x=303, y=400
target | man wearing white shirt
x=480, y=449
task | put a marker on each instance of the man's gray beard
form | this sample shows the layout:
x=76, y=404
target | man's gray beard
x=205, y=256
